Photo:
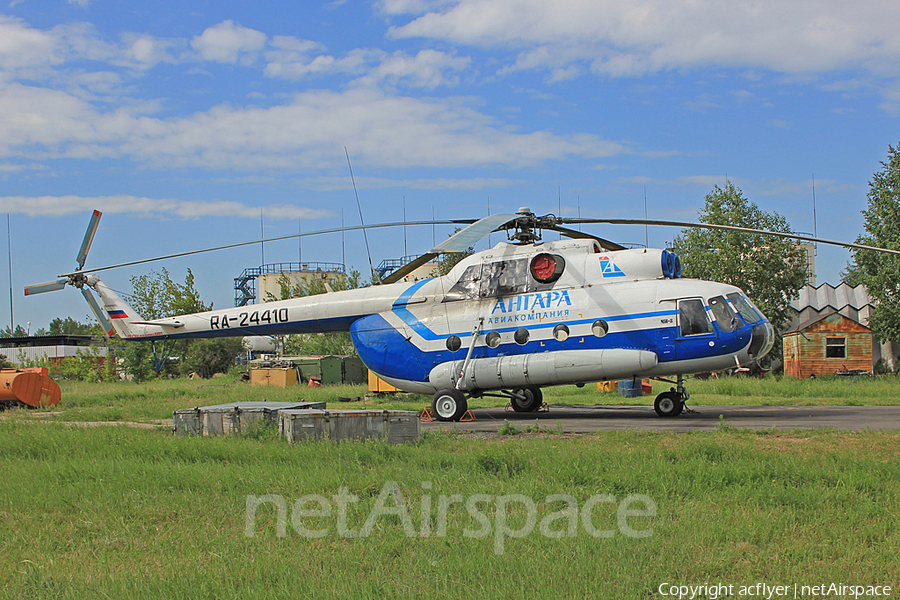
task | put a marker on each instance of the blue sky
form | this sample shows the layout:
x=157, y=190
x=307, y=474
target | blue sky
x=181, y=121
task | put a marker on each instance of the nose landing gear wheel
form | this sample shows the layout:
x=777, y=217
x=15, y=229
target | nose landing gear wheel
x=449, y=405
x=526, y=399
x=668, y=404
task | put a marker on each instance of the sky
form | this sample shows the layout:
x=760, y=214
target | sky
x=194, y=124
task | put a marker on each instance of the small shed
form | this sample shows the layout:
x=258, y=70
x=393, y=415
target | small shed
x=827, y=344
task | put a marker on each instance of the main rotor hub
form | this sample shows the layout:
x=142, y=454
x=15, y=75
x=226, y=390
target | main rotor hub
x=526, y=227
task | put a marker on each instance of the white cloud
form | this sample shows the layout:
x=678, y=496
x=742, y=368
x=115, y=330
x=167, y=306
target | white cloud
x=405, y=7
x=440, y=183
x=427, y=69
x=22, y=46
x=229, y=42
x=163, y=208
x=307, y=132
x=299, y=65
x=292, y=58
x=380, y=129
x=640, y=36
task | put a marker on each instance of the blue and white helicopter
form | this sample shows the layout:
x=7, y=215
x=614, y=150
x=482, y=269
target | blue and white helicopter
x=506, y=321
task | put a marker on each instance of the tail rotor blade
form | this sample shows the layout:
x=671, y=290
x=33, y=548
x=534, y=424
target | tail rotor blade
x=88, y=239
x=98, y=312
x=50, y=286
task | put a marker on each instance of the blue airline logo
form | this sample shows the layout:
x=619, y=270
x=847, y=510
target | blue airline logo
x=609, y=269
x=532, y=301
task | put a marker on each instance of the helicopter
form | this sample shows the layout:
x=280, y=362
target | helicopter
x=506, y=321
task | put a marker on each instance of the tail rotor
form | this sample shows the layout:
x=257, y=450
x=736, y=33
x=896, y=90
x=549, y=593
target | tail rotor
x=77, y=278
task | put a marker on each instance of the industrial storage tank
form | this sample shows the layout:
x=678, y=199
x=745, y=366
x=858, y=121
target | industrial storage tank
x=29, y=387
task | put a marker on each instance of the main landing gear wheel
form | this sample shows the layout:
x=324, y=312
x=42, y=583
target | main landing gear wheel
x=449, y=405
x=668, y=404
x=527, y=399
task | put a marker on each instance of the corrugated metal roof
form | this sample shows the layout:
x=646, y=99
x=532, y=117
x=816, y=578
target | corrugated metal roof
x=828, y=296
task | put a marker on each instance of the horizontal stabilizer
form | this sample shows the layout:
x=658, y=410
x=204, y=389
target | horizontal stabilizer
x=50, y=286
x=164, y=325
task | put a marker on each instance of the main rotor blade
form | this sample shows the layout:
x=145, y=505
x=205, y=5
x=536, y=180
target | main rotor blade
x=458, y=242
x=95, y=308
x=271, y=239
x=791, y=236
x=578, y=235
x=409, y=267
x=50, y=286
x=474, y=233
x=88, y=238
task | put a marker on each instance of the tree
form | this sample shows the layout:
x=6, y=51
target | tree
x=878, y=271
x=771, y=270
x=155, y=296
x=210, y=356
x=70, y=326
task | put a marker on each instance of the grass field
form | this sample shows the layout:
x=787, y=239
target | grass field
x=155, y=400
x=119, y=512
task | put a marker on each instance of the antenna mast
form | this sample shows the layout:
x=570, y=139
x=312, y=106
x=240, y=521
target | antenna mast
x=815, y=220
x=12, y=321
x=359, y=207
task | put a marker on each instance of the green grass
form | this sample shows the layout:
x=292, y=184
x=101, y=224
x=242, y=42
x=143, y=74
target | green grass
x=155, y=400
x=117, y=512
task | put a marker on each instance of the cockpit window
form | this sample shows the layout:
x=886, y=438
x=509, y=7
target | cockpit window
x=467, y=288
x=692, y=317
x=724, y=314
x=745, y=308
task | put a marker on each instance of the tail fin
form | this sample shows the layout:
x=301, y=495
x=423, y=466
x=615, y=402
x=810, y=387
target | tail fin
x=124, y=319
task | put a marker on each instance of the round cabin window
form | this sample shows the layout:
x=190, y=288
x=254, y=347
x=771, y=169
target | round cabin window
x=454, y=343
x=492, y=339
x=561, y=332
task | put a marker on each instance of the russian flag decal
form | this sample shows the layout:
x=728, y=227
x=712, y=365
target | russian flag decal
x=117, y=314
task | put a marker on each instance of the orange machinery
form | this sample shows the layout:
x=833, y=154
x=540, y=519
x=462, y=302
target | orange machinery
x=31, y=387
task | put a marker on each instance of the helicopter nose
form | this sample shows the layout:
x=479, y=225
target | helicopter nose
x=762, y=340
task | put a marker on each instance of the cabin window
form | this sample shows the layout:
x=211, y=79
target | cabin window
x=693, y=318
x=745, y=308
x=504, y=278
x=836, y=347
x=724, y=314
x=496, y=280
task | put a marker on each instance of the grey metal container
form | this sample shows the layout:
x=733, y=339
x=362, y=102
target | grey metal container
x=396, y=426
x=233, y=417
x=299, y=425
x=187, y=421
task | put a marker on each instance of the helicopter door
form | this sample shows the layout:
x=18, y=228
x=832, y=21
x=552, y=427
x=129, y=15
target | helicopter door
x=695, y=331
